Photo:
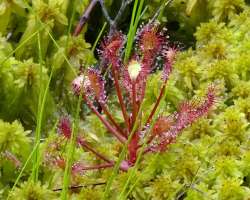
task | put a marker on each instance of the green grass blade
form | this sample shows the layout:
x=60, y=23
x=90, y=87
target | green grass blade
x=70, y=152
x=39, y=114
x=136, y=14
x=21, y=45
x=22, y=170
x=130, y=39
x=98, y=37
x=38, y=129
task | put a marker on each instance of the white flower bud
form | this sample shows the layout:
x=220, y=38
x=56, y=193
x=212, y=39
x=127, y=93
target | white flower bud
x=134, y=69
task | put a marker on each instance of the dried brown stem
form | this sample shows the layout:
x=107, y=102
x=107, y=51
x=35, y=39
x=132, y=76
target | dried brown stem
x=112, y=22
x=80, y=186
x=84, y=18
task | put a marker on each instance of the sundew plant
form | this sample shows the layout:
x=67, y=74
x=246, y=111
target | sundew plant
x=124, y=99
x=132, y=77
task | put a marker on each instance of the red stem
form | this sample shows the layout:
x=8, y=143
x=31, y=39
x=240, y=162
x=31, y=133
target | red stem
x=85, y=145
x=120, y=98
x=156, y=104
x=134, y=105
x=121, y=138
x=107, y=113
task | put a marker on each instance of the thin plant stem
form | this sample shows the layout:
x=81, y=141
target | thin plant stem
x=40, y=110
x=86, y=146
x=124, y=5
x=112, y=22
x=84, y=18
x=134, y=105
x=160, y=10
x=63, y=54
x=36, y=167
x=105, y=12
x=81, y=186
x=115, y=22
x=120, y=98
x=114, y=132
x=21, y=45
x=157, y=103
x=98, y=37
x=22, y=170
x=70, y=24
x=100, y=166
x=72, y=18
x=110, y=117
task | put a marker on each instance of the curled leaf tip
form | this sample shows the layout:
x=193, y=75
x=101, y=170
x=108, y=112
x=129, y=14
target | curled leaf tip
x=111, y=48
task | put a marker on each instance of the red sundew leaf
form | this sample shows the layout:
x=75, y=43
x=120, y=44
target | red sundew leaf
x=193, y=110
x=190, y=111
x=60, y=162
x=64, y=127
x=171, y=54
x=186, y=115
x=97, y=84
x=161, y=142
x=111, y=48
x=151, y=42
x=77, y=168
x=92, y=85
x=140, y=87
x=167, y=69
x=210, y=100
x=169, y=58
x=150, y=39
x=166, y=141
x=163, y=124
